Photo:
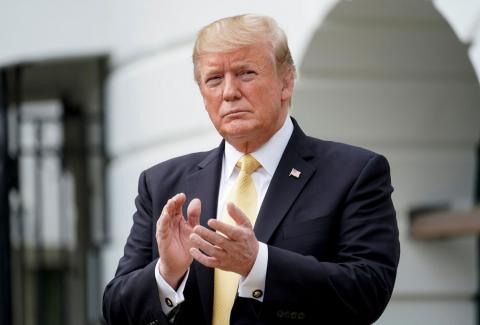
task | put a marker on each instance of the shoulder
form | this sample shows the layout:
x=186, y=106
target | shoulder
x=338, y=150
x=330, y=152
x=344, y=158
x=177, y=166
x=170, y=177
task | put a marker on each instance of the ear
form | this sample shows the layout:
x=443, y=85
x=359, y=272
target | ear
x=287, y=84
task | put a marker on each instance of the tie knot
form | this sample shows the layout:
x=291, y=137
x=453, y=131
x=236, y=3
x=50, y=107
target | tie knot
x=248, y=164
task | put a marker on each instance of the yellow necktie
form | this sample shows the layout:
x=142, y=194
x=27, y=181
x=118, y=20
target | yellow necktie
x=244, y=196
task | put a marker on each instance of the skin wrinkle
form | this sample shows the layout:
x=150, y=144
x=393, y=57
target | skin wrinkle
x=244, y=94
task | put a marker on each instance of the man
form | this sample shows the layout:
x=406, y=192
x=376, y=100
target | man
x=280, y=227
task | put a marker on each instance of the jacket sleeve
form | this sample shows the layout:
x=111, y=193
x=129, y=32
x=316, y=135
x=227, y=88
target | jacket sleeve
x=132, y=296
x=354, y=286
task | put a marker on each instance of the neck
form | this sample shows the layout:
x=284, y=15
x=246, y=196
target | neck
x=254, y=143
x=247, y=147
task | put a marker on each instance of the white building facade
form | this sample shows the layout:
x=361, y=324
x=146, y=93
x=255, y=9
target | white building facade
x=397, y=77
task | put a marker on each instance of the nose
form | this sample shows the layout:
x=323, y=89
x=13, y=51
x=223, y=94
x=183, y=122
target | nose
x=231, y=91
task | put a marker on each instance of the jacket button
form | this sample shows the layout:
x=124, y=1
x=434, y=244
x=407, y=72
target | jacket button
x=257, y=294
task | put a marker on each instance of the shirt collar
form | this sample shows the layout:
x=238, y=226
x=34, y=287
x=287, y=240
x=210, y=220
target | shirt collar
x=268, y=155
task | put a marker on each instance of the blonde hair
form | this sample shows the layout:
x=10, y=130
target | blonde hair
x=230, y=33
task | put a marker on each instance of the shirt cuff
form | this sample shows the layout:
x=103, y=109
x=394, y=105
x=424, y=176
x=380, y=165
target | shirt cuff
x=169, y=298
x=253, y=285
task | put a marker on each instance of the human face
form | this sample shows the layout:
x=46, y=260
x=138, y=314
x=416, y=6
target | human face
x=244, y=94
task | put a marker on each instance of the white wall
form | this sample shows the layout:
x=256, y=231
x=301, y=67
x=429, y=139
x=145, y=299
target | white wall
x=392, y=76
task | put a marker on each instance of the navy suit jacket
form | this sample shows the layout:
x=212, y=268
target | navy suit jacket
x=332, y=239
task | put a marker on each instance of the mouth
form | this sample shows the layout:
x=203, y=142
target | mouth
x=235, y=113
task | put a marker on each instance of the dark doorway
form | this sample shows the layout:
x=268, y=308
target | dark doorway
x=54, y=146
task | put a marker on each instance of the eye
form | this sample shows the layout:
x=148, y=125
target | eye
x=213, y=81
x=247, y=74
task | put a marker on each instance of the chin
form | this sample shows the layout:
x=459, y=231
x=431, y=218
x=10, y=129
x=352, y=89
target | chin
x=239, y=126
x=238, y=131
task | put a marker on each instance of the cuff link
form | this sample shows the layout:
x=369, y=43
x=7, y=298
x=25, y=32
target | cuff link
x=257, y=294
x=169, y=302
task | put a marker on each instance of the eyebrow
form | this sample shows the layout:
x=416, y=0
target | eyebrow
x=244, y=65
x=209, y=72
x=213, y=68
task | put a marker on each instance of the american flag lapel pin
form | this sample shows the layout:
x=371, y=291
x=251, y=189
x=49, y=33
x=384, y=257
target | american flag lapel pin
x=295, y=173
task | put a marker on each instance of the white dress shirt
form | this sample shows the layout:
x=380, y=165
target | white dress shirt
x=268, y=155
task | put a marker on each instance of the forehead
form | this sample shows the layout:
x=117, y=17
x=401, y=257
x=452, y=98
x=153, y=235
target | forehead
x=257, y=54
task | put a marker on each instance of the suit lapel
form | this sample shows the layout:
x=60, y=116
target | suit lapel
x=284, y=188
x=204, y=184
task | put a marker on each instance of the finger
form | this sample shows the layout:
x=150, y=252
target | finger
x=206, y=247
x=238, y=216
x=210, y=236
x=232, y=232
x=163, y=222
x=202, y=258
x=166, y=214
x=175, y=208
x=169, y=211
x=193, y=212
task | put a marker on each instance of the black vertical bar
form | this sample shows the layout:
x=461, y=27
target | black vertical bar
x=102, y=70
x=37, y=258
x=477, y=186
x=102, y=75
x=477, y=200
x=19, y=287
x=5, y=274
